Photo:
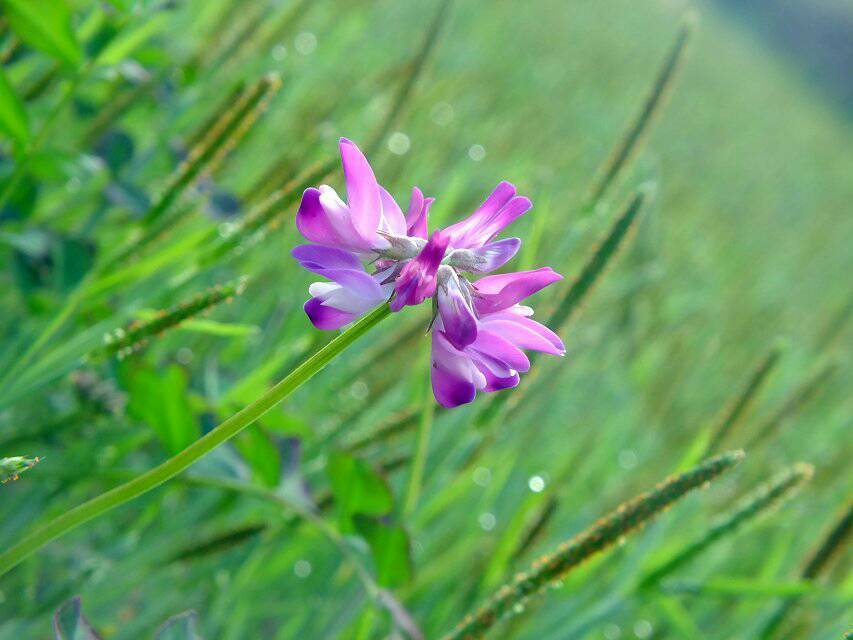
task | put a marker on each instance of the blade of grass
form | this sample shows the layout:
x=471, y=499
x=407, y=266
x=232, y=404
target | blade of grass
x=815, y=565
x=628, y=517
x=764, y=498
x=632, y=140
x=794, y=404
x=201, y=447
x=220, y=140
x=404, y=93
x=735, y=413
x=229, y=128
x=570, y=304
x=413, y=489
x=125, y=341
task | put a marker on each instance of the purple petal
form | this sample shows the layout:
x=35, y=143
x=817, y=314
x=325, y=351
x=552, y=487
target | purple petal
x=316, y=258
x=363, y=196
x=417, y=280
x=457, y=316
x=452, y=374
x=487, y=258
x=393, y=220
x=498, y=352
x=494, y=383
x=499, y=210
x=312, y=221
x=524, y=333
x=416, y=216
x=504, y=290
x=326, y=318
x=359, y=282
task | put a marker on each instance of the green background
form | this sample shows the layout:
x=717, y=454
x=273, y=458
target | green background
x=745, y=245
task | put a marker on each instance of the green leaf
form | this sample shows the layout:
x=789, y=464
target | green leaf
x=357, y=488
x=261, y=454
x=70, y=624
x=160, y=400
x=45, y=25
x=13, y=117
x=180, y=627
x=390, y=547
x=123, y=45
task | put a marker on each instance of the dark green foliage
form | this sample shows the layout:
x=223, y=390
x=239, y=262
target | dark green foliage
x=357, y=489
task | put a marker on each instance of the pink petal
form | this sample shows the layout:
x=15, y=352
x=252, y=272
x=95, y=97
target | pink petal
x=363, y=196
x=416, y=216
x=498, y=352
x=499, y=210
x=417, y=281
x=393, y=220
x=312, y=221
x=504, y=290
x=524, y=333
x=452, y=374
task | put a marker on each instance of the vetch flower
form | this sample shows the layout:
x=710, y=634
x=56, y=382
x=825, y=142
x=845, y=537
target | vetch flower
x=490, y=357
x=480, y=332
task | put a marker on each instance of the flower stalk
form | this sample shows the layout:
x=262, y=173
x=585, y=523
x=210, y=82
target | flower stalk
x=198, y=449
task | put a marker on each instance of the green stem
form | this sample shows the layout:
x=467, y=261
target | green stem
x=419, y=463
x=201, y=447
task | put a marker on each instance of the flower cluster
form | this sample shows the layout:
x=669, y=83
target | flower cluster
x=479, y=329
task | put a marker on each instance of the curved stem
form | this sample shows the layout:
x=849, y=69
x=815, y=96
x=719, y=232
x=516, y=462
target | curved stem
x=201, y=447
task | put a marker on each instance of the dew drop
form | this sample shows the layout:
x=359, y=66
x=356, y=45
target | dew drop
x=487, y=521
x=302, y=568
x=442, y=114
x=359, y=390
x=476, y=152
x=279, y=52
x=305, y=43
x=627, y=459
x=536, y=484
x=643, y=629
x=399, y=143
x=482, y=476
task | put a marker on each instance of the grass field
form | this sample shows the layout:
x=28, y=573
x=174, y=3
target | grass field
x=741, y=252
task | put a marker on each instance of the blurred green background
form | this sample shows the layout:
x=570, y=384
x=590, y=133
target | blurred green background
x=744, y=247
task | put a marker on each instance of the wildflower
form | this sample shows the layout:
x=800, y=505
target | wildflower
x=480, y=333
x=479, y=329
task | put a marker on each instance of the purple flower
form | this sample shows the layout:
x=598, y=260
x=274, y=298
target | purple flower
x=480, y=332
x=490, y=356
